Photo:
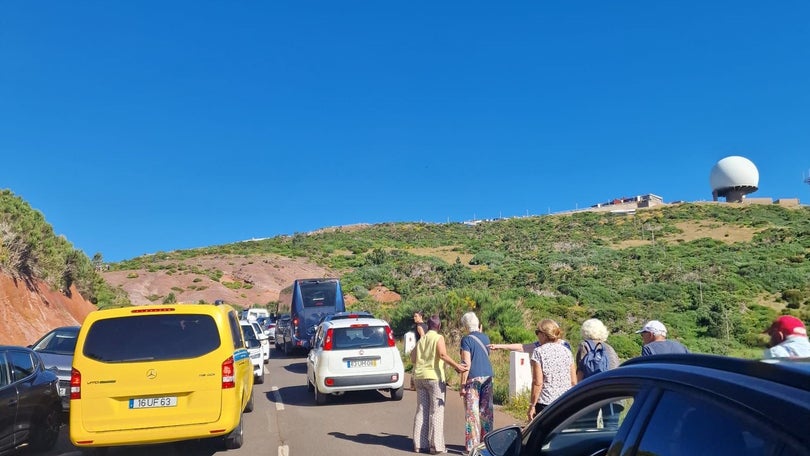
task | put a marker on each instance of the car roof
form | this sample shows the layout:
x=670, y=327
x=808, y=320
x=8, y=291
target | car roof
x=791, y=372
x=348, y=315
x=361, y=320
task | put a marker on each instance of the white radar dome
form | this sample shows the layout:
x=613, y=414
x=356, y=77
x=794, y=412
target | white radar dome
x=733, y=177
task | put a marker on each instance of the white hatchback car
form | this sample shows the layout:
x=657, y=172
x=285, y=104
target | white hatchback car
x=354, y=352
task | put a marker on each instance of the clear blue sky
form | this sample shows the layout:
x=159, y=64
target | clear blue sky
x=146, y=126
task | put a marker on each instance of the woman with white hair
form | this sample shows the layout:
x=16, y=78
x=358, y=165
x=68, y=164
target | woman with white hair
x=593, y=347
x=476, y=384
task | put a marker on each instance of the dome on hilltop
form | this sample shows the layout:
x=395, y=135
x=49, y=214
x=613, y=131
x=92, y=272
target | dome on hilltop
x=734, y=177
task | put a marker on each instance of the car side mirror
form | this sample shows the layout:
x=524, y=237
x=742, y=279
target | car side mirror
x=504, y=442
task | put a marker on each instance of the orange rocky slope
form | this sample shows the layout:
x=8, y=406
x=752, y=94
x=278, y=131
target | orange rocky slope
x=30, y=309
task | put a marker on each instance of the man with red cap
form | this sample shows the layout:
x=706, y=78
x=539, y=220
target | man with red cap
x=788, y=338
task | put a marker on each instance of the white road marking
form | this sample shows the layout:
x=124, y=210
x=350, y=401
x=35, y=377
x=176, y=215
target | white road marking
x=283, y=450
x=277, y=397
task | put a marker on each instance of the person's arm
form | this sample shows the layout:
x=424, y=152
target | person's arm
x=420, y=330
x=466, y=359
x=524, y=348
x=577, y=359
x=574, y=374
x=537, y=386
x=441, y=351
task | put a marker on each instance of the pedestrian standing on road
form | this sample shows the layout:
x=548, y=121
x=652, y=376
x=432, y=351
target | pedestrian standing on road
x=419, y=325
x=788, y=338
x=476, y=384
x=553, y=368
x=594, y=336
x=655, y=342
x=431, y=387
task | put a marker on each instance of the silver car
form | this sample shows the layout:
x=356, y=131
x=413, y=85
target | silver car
x=55, y=349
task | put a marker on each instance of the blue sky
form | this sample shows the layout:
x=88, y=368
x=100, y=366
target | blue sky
x=138, y=127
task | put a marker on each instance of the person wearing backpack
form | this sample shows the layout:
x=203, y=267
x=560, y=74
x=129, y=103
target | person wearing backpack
x=594, y=354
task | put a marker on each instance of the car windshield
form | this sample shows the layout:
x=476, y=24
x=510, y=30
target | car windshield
x=151, y=337
x=359, y=337
x=59, y=342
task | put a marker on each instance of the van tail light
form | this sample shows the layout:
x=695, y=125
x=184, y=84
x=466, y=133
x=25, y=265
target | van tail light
x=295, y=326
x=228, y=374
x=75, y=384
x=327, y=341
x=391, y=341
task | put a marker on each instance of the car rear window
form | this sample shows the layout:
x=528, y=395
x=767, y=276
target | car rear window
x=151, y=338
x=359, y=337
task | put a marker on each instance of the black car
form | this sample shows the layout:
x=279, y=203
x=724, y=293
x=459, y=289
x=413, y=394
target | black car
x=30, y=408
x=672, y=405
x=56, y=350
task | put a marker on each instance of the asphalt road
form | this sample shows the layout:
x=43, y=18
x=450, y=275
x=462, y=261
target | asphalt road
x=286, y=422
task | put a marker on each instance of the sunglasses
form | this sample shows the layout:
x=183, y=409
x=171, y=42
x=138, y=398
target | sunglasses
x=537, y=332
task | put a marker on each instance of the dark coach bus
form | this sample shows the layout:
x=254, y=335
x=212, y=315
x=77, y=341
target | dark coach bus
x=306, y=301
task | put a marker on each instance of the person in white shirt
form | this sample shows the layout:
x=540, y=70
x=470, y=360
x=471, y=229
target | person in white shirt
x=788, y=338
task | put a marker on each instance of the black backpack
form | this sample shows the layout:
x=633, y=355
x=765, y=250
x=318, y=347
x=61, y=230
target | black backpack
x=596, y=360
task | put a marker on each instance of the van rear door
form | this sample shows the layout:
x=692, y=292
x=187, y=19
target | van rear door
x=151, y=371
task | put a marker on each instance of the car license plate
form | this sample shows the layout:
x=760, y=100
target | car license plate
x=153, y=402
x=363, y=363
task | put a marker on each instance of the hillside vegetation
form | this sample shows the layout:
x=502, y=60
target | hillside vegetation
x=29, y=250
x=716, y=274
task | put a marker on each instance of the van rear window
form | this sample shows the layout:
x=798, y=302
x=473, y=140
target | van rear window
x=151, y=338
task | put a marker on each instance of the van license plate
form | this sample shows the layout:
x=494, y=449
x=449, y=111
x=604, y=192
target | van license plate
x=62, y=391
x=153, y=402
x=363, y=363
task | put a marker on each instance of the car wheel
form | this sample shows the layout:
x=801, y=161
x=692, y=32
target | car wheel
x=320, y=398
x=396, y=394
x=236, y=438
x=259, y=379
x=249, y=405
x=46, y=430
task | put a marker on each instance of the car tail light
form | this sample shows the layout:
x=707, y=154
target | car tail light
x=391, y=341
x=329, y=381
x=228, y=374
x=75, y=384
x=327, y=341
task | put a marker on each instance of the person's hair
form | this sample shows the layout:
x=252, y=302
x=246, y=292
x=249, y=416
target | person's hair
x=550, y=329
x=594, y=329
x=470, y=321
x=434, y=323
x=419, y=312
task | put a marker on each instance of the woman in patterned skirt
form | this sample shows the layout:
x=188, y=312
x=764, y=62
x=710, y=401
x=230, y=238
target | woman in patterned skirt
x=476, y=385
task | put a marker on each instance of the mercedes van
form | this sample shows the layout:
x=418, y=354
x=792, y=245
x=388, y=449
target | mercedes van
x=160, y=373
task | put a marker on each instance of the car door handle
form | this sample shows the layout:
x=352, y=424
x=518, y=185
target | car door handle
x=12, y=403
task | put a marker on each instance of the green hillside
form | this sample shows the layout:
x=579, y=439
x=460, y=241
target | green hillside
x=31, y=250
x=716, y=274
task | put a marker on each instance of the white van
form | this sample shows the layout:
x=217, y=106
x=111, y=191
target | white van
x=254, y=314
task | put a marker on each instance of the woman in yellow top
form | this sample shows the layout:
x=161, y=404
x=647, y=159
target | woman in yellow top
x=428, y=374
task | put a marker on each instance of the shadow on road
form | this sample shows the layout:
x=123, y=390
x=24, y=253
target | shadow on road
x=396, y=442
x=299, y=396
x=296, y=368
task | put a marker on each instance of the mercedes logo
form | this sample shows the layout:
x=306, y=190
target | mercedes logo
x=151, y=374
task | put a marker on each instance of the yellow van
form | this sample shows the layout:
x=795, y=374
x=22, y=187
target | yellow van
x=163, y=373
